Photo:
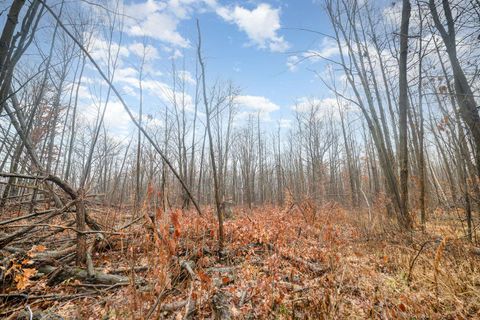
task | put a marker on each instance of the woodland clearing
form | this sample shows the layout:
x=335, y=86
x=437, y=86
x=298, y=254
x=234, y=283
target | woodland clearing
x=297, y=262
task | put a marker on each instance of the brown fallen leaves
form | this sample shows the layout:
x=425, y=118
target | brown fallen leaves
x=298, y=263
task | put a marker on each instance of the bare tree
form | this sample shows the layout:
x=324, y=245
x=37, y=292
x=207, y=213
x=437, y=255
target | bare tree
x=216, y=185
x=463, y=90
x=403, y=110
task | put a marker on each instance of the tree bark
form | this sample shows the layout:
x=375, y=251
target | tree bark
x=404, y=217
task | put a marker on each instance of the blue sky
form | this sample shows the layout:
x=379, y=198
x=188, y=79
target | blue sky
x=255, y=44
x=261, y=71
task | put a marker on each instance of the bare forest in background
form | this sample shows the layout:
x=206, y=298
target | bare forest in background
x=367, y=208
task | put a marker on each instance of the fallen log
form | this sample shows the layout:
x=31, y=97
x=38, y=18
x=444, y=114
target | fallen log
x=45, y=256
x=128, y=269
x=59, y=274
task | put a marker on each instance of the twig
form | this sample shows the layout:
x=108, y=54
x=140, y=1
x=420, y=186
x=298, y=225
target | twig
x=410, y=269
x=30, y=314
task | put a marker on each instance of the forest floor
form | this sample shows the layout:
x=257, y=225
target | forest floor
x=290, y=263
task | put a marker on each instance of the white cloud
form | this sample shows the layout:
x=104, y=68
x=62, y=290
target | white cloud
x=305, y=104
x=254, y=106
x=122, y=73
x=260, y=24
x=279, y=45
x=292, y=62
x=128, y=90
x=115, y=118
x=154, y=19
x=176, y=54
x=155, y=88
x=285, y=123
x=99, y=49
x=139, y=49
x=160, y=19
x=313, y=104
x=84, y=92
x=327, y=49
x=322, y=108
x=152, y=123
x=159, y=26
x=256, y=103
x=186, y=76
x=182, y=8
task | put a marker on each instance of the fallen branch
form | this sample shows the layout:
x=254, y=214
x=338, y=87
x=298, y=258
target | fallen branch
x=37, y=314
x=43, y=298
x=45, y=256
x=59, y=182
x=128, y=269
x=27, y=216
x=58, y=275
x=9, y=238
x=72, y=228
x=410, y=269
x=190, y=306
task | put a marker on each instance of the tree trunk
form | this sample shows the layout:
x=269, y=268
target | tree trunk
x=404, y=217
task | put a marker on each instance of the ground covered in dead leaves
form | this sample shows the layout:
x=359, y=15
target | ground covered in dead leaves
x=299, y=262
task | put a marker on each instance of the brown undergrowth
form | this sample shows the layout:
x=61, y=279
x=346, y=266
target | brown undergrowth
x=298, y=262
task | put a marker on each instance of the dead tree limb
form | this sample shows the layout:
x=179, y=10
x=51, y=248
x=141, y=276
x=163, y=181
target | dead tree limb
x=27, y=216
x=9, y=238
x=62, y=274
